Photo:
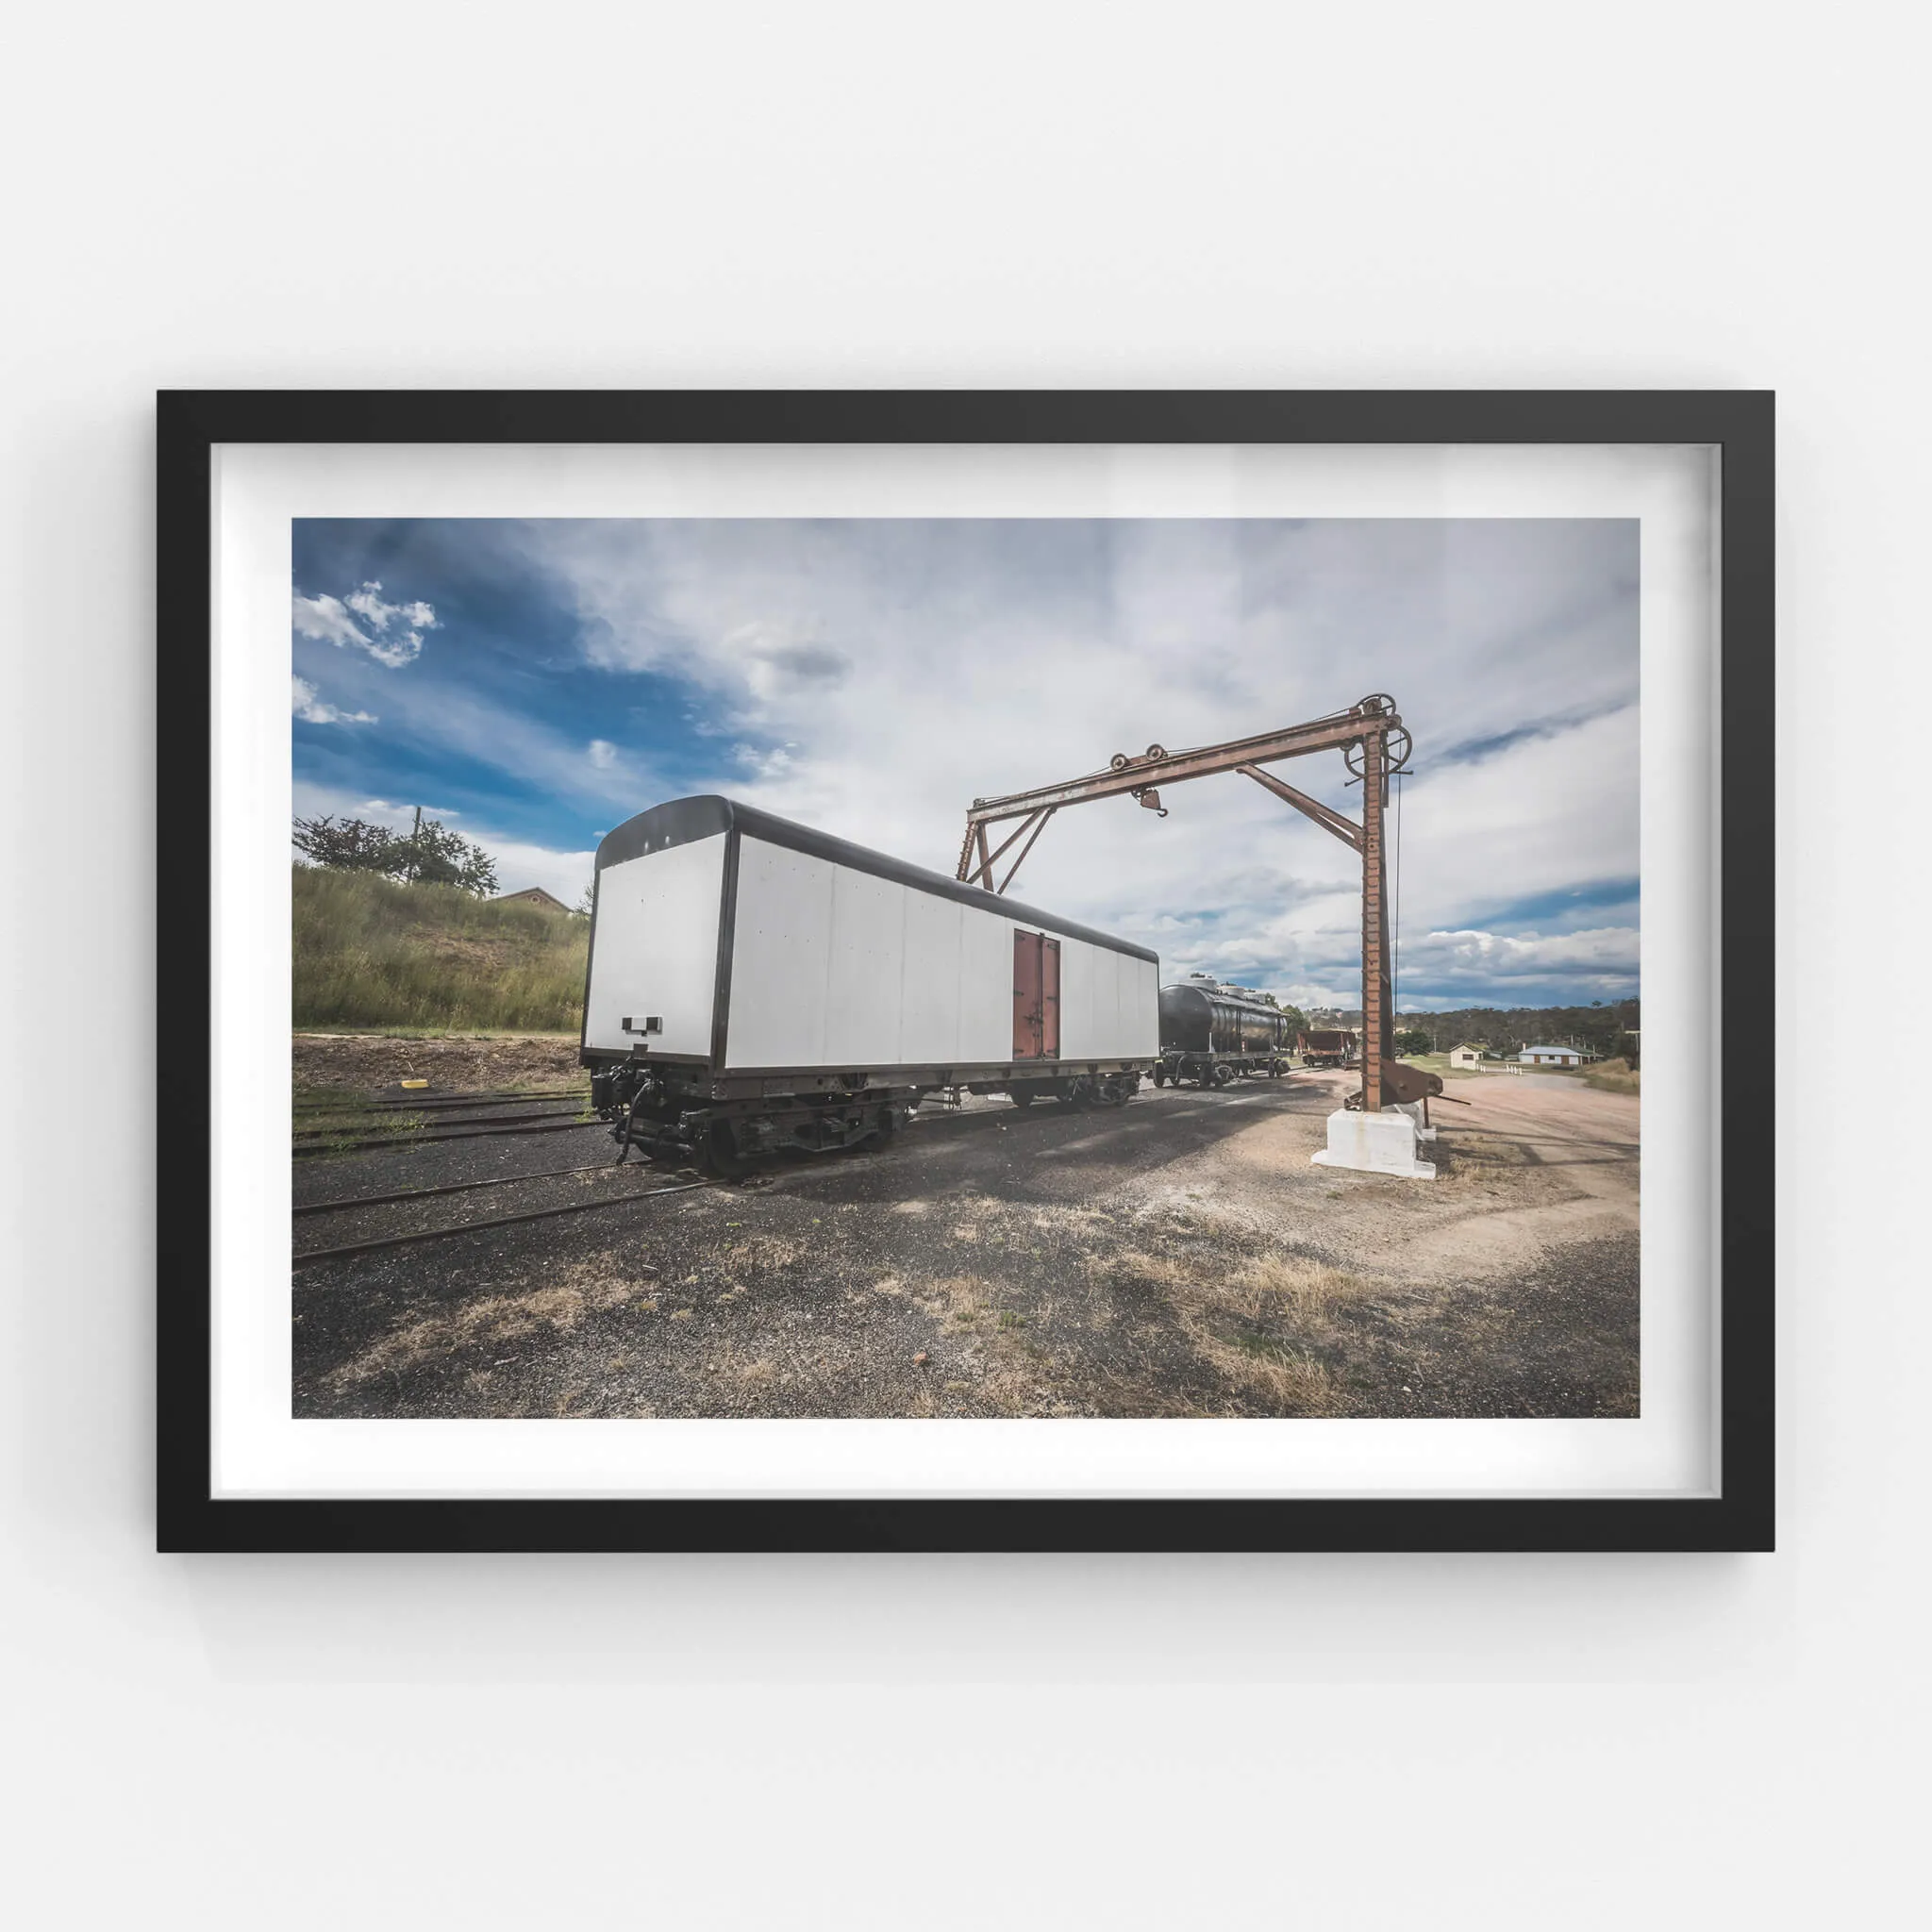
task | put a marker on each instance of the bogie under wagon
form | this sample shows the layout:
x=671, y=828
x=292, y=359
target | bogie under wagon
x=756, y=985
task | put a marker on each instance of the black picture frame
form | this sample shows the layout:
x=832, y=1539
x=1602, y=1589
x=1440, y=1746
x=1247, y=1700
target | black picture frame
x=193, y=424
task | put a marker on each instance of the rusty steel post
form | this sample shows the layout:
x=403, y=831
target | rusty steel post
x=1375, y=1016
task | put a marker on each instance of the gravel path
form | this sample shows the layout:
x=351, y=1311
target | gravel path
x=1176, y=1257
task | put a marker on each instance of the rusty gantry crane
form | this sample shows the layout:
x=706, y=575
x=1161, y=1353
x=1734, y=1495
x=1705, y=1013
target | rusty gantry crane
x=1373, y=745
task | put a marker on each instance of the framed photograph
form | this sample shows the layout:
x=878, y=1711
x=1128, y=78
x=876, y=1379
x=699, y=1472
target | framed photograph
x=965, y=971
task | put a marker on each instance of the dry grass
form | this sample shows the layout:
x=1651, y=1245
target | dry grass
x=559, y=1307
x=764, y=1251
x=1306, y=1292
x=1289, y=1380
x=1259, y=1327
x=1004, y=1369
x=1615, y=1077
x=958, y=1301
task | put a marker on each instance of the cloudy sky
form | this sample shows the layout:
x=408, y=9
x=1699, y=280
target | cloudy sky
x=534, y=684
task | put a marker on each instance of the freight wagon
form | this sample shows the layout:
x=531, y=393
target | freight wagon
x=1208, y=1035
x=1330, y=1048
x=756, y=985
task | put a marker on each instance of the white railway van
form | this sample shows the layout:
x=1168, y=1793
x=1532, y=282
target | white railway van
x=755, y=984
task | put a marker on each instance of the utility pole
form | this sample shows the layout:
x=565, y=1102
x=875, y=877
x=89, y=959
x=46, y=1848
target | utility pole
x=1375, y=993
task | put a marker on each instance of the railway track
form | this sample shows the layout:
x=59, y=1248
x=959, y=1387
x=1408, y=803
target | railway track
x=506, y=1180
x=390, y=1103
x=322, y=1140
x=543, y=1111
x=307, y=1257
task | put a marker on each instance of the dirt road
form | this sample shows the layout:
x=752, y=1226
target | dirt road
x=364, y=1060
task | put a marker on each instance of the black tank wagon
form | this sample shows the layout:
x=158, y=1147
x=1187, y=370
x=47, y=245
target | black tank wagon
x=1210, y=1036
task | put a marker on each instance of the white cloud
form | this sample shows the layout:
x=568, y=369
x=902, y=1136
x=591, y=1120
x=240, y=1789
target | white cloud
x=871, y=678
x=1603, y=959
x=368, y=603
x=381, y=810
x=768, y=766
x=394, y=631
x=306, y=705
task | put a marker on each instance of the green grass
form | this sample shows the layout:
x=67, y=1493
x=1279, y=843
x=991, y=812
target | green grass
x=372, y=952
x=1438, y=1064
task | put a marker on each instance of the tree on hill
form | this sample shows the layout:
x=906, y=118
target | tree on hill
x=435, y=855
x=429, y=854
x=344, y=845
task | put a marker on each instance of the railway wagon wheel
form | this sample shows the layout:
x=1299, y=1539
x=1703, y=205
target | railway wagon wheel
x=720, y=1154
x=1223, y=1073
x=1022, y=1096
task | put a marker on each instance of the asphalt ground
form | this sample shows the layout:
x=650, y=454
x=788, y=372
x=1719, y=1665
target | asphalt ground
x=1179, y=1256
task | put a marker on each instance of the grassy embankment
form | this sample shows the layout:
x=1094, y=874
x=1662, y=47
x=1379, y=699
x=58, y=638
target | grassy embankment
x=372, y=952
x=1615, y=1077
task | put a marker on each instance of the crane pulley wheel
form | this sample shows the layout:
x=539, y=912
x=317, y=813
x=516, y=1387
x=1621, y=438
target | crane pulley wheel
x=1397, y=744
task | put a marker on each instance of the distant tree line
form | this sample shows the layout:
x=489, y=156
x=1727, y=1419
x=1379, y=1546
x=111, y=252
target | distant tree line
x=429, y=855
x=1601, y=1027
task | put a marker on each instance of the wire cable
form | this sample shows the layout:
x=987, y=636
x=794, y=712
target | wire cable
x=1395, y=936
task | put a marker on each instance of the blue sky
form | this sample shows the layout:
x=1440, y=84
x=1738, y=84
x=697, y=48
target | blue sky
x=535, y=683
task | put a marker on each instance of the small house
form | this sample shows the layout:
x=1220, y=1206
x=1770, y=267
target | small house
x=1466, y=1056
x=1553, y=1057
x=534, y=896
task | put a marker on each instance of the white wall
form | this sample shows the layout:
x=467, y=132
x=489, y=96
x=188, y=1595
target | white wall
x=851, y=194
x=655, y=951
x=1109, y=1003
x=832, y=967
